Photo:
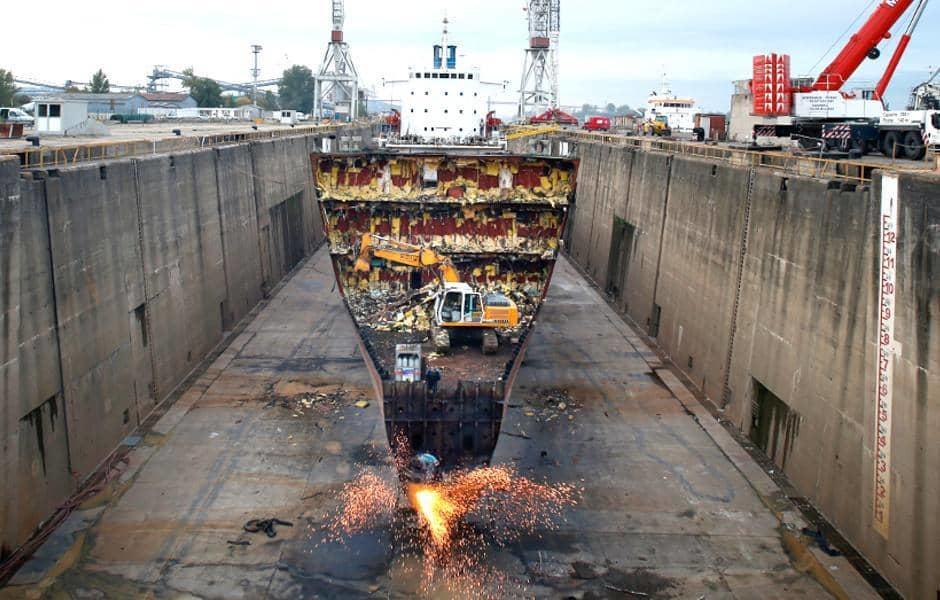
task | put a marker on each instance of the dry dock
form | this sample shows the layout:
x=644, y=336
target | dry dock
x=666, y=512
x=157, y=340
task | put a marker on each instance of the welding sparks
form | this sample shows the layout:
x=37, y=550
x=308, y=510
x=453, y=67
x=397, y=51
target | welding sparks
x=440, y=506
x=437, y=512
x=460, y=521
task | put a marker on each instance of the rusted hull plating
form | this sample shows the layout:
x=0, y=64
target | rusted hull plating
x=500, y=219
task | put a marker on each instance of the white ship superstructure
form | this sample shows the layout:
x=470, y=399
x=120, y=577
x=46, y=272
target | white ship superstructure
x=443, y=103
x=679, y=112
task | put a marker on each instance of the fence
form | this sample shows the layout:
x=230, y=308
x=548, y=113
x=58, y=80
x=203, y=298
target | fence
x=59, y=156
x=783, y=162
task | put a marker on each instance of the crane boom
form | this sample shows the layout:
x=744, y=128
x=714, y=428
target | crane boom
x=876, y=28
x=899, y=51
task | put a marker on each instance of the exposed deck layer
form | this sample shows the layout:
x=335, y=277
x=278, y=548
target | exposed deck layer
x=499, y=219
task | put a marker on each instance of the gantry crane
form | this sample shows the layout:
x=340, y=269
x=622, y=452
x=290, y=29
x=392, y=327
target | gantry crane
x=538, y=89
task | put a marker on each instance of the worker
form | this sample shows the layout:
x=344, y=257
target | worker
x=424, y=468
x=432, y=377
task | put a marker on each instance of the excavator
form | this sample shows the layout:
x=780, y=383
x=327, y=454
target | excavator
x=458, y=307
x=657, y=127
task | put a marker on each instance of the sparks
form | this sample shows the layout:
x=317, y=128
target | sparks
x=436, y=511
x=455, y=552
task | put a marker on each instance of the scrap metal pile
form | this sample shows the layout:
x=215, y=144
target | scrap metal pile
x=439, y=179
x=388, y=309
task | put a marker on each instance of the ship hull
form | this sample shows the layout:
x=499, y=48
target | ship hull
x=499, y=218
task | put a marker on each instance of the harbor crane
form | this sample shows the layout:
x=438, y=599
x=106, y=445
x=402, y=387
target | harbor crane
x=337, y=81
x=538, y=89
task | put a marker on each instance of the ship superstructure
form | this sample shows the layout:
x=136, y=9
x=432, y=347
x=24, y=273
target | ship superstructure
x=679, y=113
x=444, y=102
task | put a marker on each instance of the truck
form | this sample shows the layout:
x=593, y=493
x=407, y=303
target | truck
x=596, y=123
x=9, y=114
x=820, y=115
x=910, y=133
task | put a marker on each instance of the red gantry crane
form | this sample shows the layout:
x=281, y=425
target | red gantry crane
x=824, y=113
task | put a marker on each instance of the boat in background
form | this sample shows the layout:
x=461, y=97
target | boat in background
x=678, y=113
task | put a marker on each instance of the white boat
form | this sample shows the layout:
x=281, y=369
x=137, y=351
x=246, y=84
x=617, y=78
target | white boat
x=678, y=112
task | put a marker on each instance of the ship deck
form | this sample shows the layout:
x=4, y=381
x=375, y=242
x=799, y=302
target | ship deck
x=671, y=508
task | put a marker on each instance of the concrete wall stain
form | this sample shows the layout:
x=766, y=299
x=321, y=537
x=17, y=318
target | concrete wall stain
x=805, y=326
x=108, y=258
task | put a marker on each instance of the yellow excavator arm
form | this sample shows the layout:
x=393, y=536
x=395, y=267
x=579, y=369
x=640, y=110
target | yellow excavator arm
x=403, y=254
x=499, y=312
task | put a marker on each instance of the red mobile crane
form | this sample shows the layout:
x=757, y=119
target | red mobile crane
x=823, y=111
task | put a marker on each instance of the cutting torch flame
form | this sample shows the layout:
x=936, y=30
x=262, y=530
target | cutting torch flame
x=436, y=512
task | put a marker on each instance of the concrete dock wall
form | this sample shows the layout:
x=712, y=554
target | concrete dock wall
x=763, y=290
x=118, y=278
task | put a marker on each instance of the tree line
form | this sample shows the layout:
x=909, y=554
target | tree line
x=607, y=110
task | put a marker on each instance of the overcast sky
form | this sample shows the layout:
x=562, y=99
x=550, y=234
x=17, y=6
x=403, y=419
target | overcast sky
x=611, y=50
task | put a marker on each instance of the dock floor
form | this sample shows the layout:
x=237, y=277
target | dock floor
x=666, y=512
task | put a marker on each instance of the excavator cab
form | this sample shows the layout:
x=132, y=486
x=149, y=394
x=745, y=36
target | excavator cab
x=464, y=312
x=460, y=306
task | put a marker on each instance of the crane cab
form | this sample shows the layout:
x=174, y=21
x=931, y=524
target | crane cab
x=459, y=305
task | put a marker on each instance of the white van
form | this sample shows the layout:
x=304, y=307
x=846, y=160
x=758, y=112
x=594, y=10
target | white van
x=15, y=115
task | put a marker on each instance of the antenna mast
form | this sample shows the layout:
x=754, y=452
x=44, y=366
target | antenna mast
x=255, y=72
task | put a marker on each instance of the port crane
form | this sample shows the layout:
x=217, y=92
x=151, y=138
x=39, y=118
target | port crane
x=458, y=306
x=824, y=112
x=337, y=80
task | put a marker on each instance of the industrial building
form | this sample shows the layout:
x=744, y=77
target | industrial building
x=61, y=115
x=104, y=105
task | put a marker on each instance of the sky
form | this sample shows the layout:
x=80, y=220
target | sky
x=611, y=50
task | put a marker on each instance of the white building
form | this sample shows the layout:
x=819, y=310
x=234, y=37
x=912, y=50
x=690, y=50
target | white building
x=61, y=115
x=240, y=113
x=443, y=102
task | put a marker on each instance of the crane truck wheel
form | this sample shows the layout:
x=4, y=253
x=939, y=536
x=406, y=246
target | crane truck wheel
x=914, y=147
x=891, y=145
